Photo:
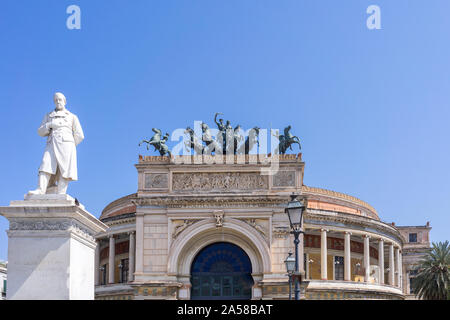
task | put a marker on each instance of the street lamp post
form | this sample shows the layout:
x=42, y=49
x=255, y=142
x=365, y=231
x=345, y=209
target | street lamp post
x=294, y=211
x=290, y=267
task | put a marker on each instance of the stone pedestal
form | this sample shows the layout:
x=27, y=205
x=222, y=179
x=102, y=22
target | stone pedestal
x=51, y=248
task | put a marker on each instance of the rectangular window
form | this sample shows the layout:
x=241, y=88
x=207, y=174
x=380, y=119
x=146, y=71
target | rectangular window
x=411, y=285
x=338, y=268
x=413, y=237
x=4, y=286
x=104, y=270
x=123, y=267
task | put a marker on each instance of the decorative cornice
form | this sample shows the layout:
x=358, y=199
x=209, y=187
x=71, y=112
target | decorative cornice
x=352, y=220
x=212, y=201
x=237, y=159
x=339, y=195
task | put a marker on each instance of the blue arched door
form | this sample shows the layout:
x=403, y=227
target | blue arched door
x=221, y=270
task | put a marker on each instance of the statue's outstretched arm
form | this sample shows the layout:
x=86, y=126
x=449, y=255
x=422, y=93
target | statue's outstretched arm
x=215, y=118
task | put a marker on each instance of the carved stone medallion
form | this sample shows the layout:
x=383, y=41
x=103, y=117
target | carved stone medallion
x=284, y=179
x=156, y=181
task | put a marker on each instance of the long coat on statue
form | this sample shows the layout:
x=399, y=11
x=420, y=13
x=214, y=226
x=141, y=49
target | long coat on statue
x=64, y=133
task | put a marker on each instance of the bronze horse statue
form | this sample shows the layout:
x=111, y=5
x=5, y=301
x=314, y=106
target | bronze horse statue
x=251, y=139
x=211, y=144
x=194, y=142
x=158, y=143
x=287, y=140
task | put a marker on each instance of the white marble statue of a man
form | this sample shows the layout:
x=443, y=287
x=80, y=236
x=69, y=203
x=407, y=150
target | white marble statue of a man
x=59, y=163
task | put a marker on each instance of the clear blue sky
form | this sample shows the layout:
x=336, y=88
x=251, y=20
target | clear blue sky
x=371, y=106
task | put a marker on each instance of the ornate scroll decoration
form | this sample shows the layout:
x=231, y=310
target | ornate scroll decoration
x=186, y=223
x=156, y=181
x=218, y=215
x=260, y=229
x=284, y=179
x=202, y=181
x=280, y=232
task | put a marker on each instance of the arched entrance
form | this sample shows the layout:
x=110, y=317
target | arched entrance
x=221, y=270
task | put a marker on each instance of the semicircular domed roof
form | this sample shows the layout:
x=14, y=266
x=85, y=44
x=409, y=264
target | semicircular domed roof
x=121, y=206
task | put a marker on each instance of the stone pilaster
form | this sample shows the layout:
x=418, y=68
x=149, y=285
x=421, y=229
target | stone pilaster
x=139, y=243
x=97, y=264
x=398, y=270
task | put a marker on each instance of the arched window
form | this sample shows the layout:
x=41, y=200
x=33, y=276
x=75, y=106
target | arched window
x=221, y=271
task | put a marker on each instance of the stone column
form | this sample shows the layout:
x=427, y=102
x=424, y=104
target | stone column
x=97, y=263
x=391, y=265
x=323, y=255
x=401, y=269
x=347, y=257
x=112, y=256
x=366, y=258
x=381, y=261
x=301, y=264
x=407, y=285
x=131, y=257
x=397, y=269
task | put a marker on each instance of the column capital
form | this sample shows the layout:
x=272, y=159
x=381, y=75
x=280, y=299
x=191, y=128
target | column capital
x=348, y=232
x=366, y=236
x=131, y=232
x=322, y=230
x=380, y=240
x=110, y=236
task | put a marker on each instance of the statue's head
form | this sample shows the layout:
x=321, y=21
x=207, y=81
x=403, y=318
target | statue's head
x=221, y=121
x=60, y=101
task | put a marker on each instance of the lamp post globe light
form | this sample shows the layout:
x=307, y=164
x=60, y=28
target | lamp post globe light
x=290, y=268
x=294, y=210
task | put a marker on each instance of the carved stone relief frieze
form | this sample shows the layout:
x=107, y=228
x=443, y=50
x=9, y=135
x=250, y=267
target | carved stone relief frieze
x=204, y=181
x=51, y=225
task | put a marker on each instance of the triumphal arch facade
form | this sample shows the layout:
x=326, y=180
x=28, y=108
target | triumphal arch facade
x=217, y=229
